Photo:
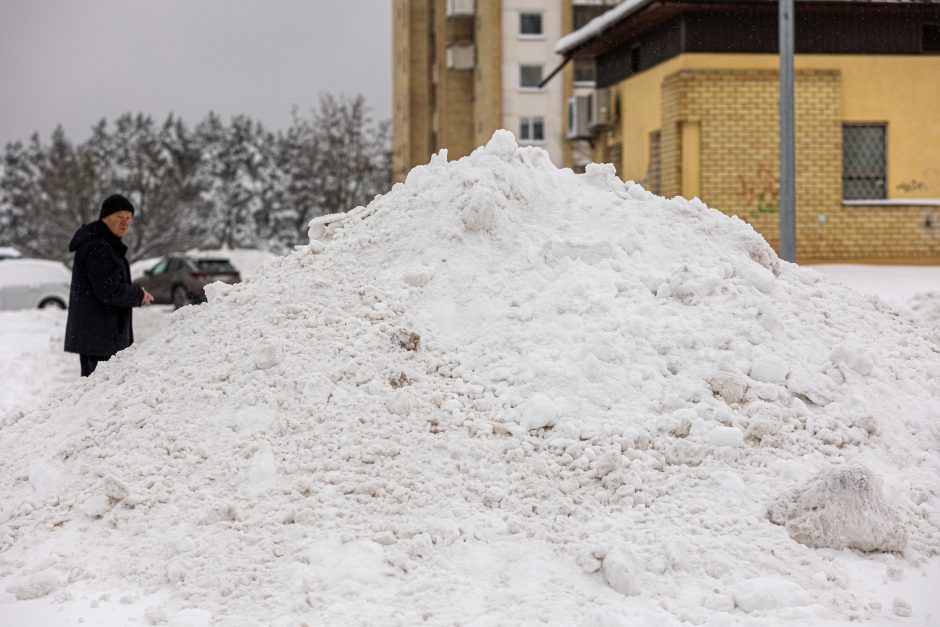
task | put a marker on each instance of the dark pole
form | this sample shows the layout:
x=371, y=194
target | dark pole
x=787, y=136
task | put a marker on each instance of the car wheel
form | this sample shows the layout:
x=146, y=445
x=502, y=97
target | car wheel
x=52, y=302
x=179, y=297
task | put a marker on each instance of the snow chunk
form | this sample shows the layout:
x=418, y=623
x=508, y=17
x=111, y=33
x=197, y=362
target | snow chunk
x=840, y=508
x=398, y=403
x=540, y=411
x=216, y=290
x=730, y=386
x=502, y=144
x=620, y=571
x=769, y=593
x=481, y=213
x=901, y=608
x=95, y=506
x=263, y=468
x=726, y=436
x=36, y=587
x=770, y=369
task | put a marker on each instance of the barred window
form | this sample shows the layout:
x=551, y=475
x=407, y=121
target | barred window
x=863, y=161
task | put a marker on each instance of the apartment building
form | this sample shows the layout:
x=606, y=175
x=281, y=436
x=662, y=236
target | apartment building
x=465, y=68
x=693, y=95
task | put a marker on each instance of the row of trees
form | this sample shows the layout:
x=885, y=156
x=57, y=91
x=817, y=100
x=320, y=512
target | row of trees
x=215, y=185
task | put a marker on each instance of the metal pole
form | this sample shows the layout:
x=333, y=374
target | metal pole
x=787, y=136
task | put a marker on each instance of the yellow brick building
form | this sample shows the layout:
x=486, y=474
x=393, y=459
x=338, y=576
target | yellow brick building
x=694, y=94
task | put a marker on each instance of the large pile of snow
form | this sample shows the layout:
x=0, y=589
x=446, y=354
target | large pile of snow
x=501, y=393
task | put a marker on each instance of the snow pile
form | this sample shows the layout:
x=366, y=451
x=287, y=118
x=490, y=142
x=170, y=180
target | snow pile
x=502, y=392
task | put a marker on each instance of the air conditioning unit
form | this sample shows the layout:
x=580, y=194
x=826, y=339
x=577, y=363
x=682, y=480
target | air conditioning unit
x=461, y=8
x=600, y=110
x=460, y=56
x=579, y=117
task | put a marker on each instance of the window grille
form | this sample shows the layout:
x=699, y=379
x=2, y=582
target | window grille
x=863, y=161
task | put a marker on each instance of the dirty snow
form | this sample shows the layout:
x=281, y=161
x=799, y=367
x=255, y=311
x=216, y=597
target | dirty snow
x=502, y=393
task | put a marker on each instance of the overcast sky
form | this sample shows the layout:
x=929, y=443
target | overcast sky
x=76, y=61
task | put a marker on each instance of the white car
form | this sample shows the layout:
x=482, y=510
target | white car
x=28, y=283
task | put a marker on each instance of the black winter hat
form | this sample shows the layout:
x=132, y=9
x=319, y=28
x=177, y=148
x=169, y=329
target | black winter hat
x=113, y=204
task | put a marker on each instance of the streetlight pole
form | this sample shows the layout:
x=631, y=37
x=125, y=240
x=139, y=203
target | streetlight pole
x=787, y=135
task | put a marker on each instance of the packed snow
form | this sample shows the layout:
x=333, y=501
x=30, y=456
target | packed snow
x=502, y=393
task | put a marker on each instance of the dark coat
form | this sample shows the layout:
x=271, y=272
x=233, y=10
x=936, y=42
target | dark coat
x=102, y=295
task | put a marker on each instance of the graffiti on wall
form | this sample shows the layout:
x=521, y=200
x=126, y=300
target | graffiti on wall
x=927, y=181
x=759, y=192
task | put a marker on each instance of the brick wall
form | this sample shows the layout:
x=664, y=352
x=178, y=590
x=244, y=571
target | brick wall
x=739, y=120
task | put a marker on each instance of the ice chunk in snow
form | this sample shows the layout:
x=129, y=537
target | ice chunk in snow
x=840, y=508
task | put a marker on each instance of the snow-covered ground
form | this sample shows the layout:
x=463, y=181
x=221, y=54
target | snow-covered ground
x=500, y=394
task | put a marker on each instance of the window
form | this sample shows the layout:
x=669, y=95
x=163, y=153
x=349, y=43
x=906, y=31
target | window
x=635, y=59
x=160, y=268
x=532, y=129
x=654, y=171
x=530, y=24
x=863, y=161
x=215, y=266
x=530, y=76
x=584, y=71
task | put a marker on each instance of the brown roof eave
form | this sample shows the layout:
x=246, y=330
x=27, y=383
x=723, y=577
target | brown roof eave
x=660, y=11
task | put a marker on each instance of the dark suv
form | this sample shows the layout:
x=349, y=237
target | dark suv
x=179, y=280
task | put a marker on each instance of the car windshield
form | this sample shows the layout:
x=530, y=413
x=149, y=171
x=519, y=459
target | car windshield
x=215, y=266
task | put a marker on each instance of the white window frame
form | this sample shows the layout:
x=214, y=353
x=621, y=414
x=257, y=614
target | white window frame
x=527, y=127
x=539, y=35
x=535, y=88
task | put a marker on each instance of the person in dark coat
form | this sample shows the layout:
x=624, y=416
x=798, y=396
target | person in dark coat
x=101, y=297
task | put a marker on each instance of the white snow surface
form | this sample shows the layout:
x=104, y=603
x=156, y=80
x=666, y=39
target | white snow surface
x=343, y=439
